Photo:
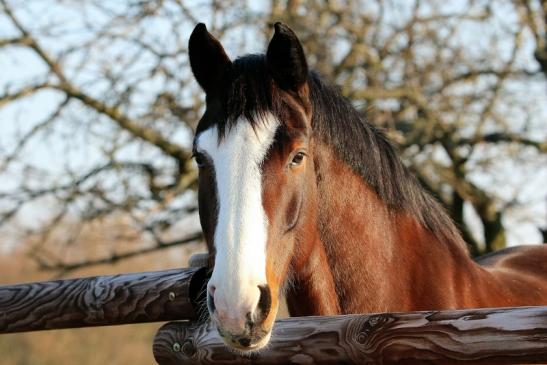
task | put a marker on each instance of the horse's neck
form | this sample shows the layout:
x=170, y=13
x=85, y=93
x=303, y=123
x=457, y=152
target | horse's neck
x=366, y=258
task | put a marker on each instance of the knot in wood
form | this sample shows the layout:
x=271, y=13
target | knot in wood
x=362, y=335
x=188, y=348
x=361, y=338
x=176, y=347
x=372, y=323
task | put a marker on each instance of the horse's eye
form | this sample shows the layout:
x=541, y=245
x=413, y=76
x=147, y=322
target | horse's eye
x=298, y=158
x=199, y=158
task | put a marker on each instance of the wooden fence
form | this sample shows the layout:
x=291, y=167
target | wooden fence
x=101, y=300
x=478, y=336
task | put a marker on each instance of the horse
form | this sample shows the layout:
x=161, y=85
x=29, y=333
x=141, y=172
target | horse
x=299, y=195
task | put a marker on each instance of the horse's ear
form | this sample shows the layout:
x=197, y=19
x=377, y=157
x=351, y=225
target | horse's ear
x=286, y=60
x=209, y=62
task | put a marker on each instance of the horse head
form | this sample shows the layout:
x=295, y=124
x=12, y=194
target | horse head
x=254, y=151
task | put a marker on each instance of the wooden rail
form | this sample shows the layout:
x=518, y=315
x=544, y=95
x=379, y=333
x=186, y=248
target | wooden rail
x=478, y=336
x=101, y=300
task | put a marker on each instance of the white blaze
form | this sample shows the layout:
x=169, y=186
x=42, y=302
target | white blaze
x=241, y=230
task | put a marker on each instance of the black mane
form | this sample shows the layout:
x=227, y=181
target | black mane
x=337, y=123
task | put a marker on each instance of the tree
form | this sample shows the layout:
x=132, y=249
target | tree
x=534, y=17
x=455, y=86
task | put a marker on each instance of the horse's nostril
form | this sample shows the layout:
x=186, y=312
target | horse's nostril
x=265, y=302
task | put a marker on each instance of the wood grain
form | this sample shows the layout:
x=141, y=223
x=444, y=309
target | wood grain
x=478, y=336
x=101, y=300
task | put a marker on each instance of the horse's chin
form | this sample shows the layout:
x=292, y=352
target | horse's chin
x=256, y=339
x=253, y=348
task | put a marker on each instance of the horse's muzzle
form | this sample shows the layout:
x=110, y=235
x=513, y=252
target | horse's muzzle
x=241, y=328
x=250, y=340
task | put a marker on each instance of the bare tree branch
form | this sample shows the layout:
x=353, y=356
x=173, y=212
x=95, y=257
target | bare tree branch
x=147, y=134
x=459, y=110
